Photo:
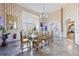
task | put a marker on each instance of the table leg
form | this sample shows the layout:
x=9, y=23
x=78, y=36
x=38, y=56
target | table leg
x=31, y=53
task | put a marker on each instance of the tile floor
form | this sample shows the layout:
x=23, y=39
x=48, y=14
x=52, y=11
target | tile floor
x=12, y=49
x=63, y=47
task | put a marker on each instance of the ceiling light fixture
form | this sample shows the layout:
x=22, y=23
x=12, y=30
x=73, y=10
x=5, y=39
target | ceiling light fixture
x=43, y=15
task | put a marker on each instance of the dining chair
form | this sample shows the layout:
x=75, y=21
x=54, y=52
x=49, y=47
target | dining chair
x=37, y=42
x=49, y=38
x=46, y=38
x=24, y=41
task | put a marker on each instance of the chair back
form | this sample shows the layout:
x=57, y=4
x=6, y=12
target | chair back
x=39, y=36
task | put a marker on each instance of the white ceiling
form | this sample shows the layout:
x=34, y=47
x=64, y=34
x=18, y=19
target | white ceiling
x=49, y=7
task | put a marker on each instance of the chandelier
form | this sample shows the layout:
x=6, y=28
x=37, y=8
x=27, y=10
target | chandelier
x=43, y=15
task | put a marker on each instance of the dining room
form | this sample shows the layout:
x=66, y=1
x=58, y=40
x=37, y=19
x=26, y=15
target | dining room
x=38, y=29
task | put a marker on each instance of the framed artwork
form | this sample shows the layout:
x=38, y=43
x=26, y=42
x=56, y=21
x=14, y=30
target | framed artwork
x=11, y=22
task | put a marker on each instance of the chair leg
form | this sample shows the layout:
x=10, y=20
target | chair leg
x=45, y=42
x=41, y=45
x=37, y=47
x=48, y=42
x=22, y=47
x=27, y=44
x=33, y=45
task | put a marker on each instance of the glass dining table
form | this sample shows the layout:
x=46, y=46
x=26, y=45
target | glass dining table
x=32, y=38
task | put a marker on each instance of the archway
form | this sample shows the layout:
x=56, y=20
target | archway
x=70, y=29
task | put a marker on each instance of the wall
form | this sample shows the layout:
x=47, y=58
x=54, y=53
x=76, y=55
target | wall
x=15, y=10
x=2, y=13
x=60, y=17
x=77, y=25
x=54, y=23
x=21, y=14
x=29, y=21
x=68, y=13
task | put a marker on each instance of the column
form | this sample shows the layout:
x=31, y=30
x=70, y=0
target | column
x=61, y=22
x=77, y=24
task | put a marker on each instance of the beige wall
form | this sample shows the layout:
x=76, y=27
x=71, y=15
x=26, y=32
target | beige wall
x=29, y=21
x=55, y=22
x=68, y=13
x=16, y=10
x=12, y=9
x=2, y=13
x=77, y=25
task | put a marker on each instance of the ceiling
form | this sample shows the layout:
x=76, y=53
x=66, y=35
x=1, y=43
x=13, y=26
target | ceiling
x=38, y=7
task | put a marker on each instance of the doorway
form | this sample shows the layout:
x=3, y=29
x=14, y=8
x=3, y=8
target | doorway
x=70, y=30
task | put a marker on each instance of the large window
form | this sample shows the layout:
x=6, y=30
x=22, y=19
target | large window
x=29, y=22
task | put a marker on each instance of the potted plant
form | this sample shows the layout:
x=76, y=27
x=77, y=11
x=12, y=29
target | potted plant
x=4, y=37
